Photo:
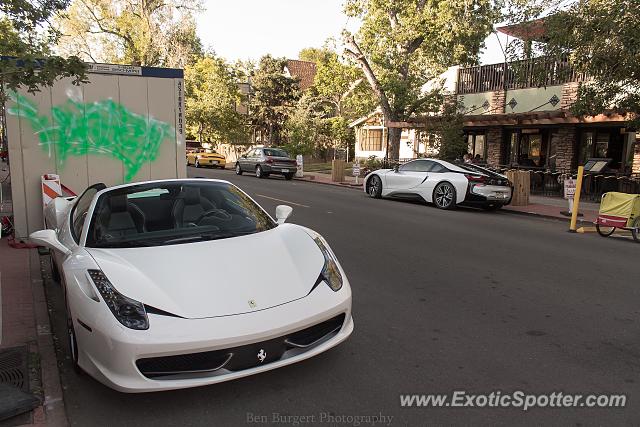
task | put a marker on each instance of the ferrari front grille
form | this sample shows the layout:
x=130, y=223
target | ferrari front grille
x=239, y=358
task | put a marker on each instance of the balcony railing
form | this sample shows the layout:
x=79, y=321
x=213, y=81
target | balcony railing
x=537, y=72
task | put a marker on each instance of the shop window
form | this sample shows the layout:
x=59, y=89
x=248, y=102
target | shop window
x=602, y=143
x=477, y=146
x=513, y=148
x=528, y=147
x=586, y=147
x=371, y=140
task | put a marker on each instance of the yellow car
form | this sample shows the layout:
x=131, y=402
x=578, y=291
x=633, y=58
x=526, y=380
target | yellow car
x=206, y=157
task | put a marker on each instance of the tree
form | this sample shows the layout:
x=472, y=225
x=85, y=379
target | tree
x=340, y=84
x=274, y=97
x=403, y=44
x=303, y=128
x=598, y=40
x=309, y=130
x=23, y=39
x=212, y=94
x=137, y=32
x=317, y=55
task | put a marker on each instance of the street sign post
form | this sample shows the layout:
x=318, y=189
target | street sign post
x=569, y=192
x=356, y=171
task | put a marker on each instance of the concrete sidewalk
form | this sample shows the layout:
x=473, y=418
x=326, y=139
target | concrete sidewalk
x=24, y=323
x=546, y=207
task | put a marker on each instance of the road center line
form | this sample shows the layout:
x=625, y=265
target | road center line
x=283, y=201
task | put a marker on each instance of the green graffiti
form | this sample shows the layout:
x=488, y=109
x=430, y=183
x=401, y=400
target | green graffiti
x=103, y=128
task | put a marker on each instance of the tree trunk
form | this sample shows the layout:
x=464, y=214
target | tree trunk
x=393, y=150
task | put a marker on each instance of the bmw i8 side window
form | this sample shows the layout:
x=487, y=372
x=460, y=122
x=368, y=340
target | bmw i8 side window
x=417, y=166
x=437, y=168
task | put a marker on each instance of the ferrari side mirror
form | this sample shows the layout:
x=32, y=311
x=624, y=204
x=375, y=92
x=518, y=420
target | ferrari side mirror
x=282, y=213
x=48, y=239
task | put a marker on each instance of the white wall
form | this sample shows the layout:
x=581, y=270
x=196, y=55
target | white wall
x=114, y=129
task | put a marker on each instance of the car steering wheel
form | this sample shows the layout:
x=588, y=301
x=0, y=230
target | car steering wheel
x=220, y=214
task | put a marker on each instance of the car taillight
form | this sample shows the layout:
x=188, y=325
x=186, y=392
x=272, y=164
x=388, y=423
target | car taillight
x=269, y=160
x=475, y=178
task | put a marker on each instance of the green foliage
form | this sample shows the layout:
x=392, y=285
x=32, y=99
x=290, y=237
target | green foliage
x=403, y=44
x=599, y=38
x=212, y=94
x=343, y=85
x=22, y=39
x=372, y=163
x=274, y=98
x=78, y=129
x=137, y=32
x=317, y=55
x=302, y=131
x=448, y=132
x=308, y=131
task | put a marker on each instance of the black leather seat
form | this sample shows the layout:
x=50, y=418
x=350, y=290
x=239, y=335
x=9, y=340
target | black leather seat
x=189, y=207
x=122, y=218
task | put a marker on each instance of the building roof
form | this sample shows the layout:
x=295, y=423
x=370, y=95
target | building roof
x=303, y=70
x=365, y=118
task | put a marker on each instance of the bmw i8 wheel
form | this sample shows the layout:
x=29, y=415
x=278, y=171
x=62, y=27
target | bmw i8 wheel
x=444, y=196
x=238, y=169
x=375, y=187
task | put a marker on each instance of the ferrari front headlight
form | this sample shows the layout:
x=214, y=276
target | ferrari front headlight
x=330, y=272
x=129, y=312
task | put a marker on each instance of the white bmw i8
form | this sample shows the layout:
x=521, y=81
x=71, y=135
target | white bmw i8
x=444, y=184
x=179, y=283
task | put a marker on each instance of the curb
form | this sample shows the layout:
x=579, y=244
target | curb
x=52, y=412
x=334, y=184
x=580, y=222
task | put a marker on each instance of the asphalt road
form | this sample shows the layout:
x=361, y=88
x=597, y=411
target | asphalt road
x=443, y=301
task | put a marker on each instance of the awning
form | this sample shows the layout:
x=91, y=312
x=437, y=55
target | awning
x=515, y=119
x=531, y=30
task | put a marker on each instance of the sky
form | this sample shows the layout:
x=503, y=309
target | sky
x=248, y=29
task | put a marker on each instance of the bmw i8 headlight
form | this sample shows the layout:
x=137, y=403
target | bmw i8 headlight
x=129, y=312
x=330, y=272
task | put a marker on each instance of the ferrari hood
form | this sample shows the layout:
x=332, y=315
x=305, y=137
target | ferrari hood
x=219, y=277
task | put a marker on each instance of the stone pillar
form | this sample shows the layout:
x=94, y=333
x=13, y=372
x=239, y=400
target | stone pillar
x=635, y=167
x=569, y=95
x=494, y=146
x=565, y=141
x=498, y=99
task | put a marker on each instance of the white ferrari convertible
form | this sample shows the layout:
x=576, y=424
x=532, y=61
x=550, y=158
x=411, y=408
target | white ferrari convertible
x=179, y=283
x=444, y=184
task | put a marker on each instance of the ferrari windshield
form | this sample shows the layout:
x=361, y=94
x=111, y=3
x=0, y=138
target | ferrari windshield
x=172, y=212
